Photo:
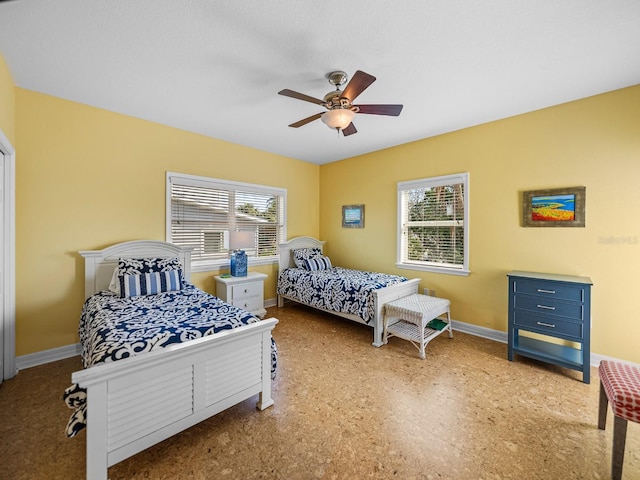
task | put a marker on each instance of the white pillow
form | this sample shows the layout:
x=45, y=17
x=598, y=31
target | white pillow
x=114, y=285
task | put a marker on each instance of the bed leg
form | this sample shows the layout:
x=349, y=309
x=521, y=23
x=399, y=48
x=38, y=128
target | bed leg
x=377, y=329
x=96, y=431
x=265, y=400
x=377, y=336
x=280, y=301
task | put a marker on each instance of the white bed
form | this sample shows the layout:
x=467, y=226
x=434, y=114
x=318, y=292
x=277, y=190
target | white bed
x=178, y=386
x=381, y=295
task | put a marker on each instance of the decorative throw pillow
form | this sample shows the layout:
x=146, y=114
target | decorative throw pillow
x=149, y=283
x=317, y=263
x=139, y=266
x=302, y=254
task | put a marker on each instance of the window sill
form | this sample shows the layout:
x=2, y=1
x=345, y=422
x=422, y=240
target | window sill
x=219, y=265
x=427, y=268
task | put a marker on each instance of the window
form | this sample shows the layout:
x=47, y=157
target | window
x=433, y=219
x=202, y=211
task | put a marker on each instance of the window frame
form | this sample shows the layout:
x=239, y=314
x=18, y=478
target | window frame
x=220, y=184
x=430, y=182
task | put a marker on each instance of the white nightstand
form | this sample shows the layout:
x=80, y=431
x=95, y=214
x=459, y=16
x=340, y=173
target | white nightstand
x=244, y=292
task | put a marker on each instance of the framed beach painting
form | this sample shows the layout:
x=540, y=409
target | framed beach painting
x=353, y=216
x=558, y=207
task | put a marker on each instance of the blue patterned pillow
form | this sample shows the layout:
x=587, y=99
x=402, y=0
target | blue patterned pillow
x=132, y=285
x=317, y=263
x=302, y=254
x=139, y=266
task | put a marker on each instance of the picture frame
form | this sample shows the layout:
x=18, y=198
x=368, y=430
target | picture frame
x=557, y=207
x=353, y=216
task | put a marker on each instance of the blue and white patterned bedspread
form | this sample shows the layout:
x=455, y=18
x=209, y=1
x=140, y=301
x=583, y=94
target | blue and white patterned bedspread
x=112, y=328
x=337, y=289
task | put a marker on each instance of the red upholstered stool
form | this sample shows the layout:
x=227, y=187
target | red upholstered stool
x=620, y=386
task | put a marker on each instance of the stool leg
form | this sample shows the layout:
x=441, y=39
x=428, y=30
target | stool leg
x=602, y=407
x=449, y=324
x=619, y=438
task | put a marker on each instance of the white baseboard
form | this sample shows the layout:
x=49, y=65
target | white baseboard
x=488, y=333
x=60, y=353
x=502, y=337
x=47, y=356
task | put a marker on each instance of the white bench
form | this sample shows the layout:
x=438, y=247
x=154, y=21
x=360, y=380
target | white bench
x=409, y=318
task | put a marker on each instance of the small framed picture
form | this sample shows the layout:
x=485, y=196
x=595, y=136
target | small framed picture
x=558, y=207
x=353, y=216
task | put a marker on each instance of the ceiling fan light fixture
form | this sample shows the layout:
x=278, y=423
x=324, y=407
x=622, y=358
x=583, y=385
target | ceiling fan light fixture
x=338, y=118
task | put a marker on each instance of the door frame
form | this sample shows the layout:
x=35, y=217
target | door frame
x=9, y=255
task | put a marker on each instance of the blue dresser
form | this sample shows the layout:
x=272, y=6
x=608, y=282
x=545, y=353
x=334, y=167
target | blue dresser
x=558, y=307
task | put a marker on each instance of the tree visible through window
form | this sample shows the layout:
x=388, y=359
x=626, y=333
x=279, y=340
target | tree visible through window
x=433, y=218
x=202, y=211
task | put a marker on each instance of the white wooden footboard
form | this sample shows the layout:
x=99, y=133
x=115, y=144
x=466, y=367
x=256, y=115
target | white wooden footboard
x=388, y=294
x=381, y=296
x=137, y=402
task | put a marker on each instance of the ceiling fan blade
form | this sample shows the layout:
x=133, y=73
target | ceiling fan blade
x=357, y=85
x=392, y=110
x=304, y=121
x=350, y=130
x=300, y=96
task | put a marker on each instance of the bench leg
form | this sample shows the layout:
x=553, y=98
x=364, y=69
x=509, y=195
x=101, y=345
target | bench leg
x=619, y=438
x=602, y=407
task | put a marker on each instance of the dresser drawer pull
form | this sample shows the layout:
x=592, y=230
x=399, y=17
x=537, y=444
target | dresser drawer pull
x=551, y=325
x=540, y=290
x=546, y=307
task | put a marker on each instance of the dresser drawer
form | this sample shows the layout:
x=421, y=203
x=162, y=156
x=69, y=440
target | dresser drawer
x=548, y=325
x=549, y=306
x=549, y=290
x=246, y=290
x=248, y=303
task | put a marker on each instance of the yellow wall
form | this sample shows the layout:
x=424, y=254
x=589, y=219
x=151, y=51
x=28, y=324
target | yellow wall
x=87, y=178
x=593, y=142
x=7, y=102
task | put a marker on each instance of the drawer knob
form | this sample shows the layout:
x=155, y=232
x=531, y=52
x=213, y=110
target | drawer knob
x=246, y=290
x=550, y=325
x=540, y=290
x=546, y=307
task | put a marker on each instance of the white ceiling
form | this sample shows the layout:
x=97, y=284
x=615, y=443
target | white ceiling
x=215, y=67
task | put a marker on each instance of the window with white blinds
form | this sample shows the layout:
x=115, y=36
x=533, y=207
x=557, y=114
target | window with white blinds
x=201, y=212
x=433, y=219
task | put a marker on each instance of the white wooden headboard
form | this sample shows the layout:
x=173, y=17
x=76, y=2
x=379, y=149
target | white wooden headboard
x=99, y=264
x=286, y=250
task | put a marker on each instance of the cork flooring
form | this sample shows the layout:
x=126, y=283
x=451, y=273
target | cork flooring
x=347, y=410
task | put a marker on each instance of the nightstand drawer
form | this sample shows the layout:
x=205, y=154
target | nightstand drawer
x=549, y=306
x=245, y=290
x=549, y=289
x=548, y=325
x=248, y=303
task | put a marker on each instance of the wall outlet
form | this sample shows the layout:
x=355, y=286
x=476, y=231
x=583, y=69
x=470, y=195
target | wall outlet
x=430, y=293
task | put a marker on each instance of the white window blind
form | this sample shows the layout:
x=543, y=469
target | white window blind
x=433, y=224
x=202, y=211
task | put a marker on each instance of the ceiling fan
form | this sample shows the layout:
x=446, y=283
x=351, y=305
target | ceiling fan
x=340, y=109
